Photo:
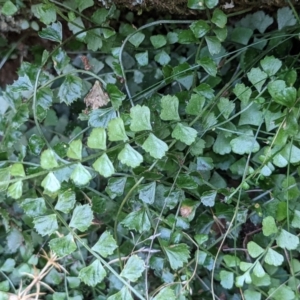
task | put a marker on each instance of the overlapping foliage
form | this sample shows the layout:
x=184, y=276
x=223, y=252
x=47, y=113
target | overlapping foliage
x=181, y=183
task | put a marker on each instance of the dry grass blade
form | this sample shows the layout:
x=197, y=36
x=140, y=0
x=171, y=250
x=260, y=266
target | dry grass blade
x=37, y=279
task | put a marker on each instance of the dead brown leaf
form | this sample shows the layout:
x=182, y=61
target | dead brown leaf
x=96, y=97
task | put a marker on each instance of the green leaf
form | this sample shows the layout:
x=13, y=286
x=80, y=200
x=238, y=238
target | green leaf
x=93, y=39
x=15, y=190
x=197, y=147
x=244, y=144
x=4, y=177
x=227, y=279
x=201, y=238
x=107, y=33
x=200, y=28
x=185, y=134
x=287, y=240
x=182, y=73
x=254, y=250
x=60, y=60
x=196, y=4
x=82, y=217
x=204, y=163
x=219, y=18
x=123, y=294
x=261, y=281
x=66, y=201
x=23, y=84
x=97, y=139
x=289, y=185
x=77, y=26
x=209, y=65
x=80, y=175
x=162, y=57
x=261, y=21
x=14, y=240
x=17, y=170
x=83, y=4
x=285, y=17
x=75, y=150
x=208, y=198
x=101, y=117
x=158, y=41
x=239, y=280
x=295, y=264
x=116, y=96
x=104, y=166
x=155, y=147
x=63, y=246
x=245, y=266
x=8, y=266
x=290, y=77
x=116, y=130
x=185, y=181
x=165, y=294
x=46, y=224
x=271, y=65
x=231, y=261
x=140, y=118
x=137, y=220
x=195, y=105
x=115, y=187
x=48, y=159
x=211, y=3
x=34, y=207
x=257, y=77
x=242, y=92
x=221, y=33
x=52, y=32
x=281, y=94
x=130, y=157
x=210, y=120
x=241, y=35
x=251, y=115
x=46, y=13
x=225, y=107
x=147, y=192
x=289, y=153
x=273, y=258
x=106, y=244
x=100, y=16
x=133, y=269
x=296, y=219
x=169, y=105
x=177, y=255
x=269, y=226
x=281, y=212
x=281, y=292
x=142, y=58
x=186, y=36
x=137, y=39
x=8, y=9
x=44, y=98
x=50, y=183
x=93, y=274
x=252, y=295
x=213, y=44
x=258, y=270
x=70, y=89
